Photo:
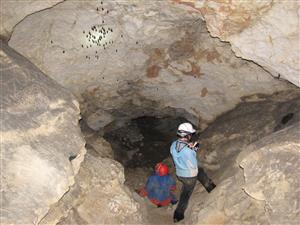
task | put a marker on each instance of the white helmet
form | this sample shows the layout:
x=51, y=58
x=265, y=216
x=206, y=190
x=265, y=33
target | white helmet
x=185, y=129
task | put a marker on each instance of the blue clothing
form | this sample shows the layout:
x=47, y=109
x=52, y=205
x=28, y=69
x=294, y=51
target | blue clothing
x=160, y=187
x=185, y=159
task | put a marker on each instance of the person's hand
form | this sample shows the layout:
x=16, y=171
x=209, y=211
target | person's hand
x=192, y=144
x=142, y=192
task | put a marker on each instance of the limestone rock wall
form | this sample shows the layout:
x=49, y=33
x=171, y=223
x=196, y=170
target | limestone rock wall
x=266, y=32
x=12, y=12
x=275, y=161
x=125, y=59
x=252, y=153
x=121, y=56
x=257, y=116
x=99, y=196
x=266, y=192
x=39, y=137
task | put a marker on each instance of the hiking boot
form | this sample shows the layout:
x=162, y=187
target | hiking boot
x=174, y=202
x=210, y=187
x=177, y=217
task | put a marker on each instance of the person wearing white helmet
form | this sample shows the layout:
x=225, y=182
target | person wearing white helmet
x=184, y=154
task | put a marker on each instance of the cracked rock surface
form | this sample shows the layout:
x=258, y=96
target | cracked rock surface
x=266, y=32
x=37, y=117
x=99, y=196
x=128, y=59
x=12, y=12
x=253, y=156
x=275, y=161
x=120, y=55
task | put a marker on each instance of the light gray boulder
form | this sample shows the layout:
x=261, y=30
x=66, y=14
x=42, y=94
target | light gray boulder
x=99, y=119
x=264, y=190
x=272, y=175
x=41, y=144
x=99, y=196
x=13, y=12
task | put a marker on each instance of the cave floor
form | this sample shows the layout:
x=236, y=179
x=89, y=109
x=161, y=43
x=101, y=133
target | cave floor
x=156, y=215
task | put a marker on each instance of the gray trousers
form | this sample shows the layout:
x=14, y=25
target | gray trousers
x=188, y=187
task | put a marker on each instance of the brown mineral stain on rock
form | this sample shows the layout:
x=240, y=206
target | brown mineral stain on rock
x=209, y=54
x=181, y=49
x=238, y=15
x=94, y=91
x=224, y=8
x=214, y=54
x=204, y=92
x=237, y=26
x=190, y=3
x=153, y=71
x=157, y=55
x=195, y=70
x=207, y=11
x=155, y=62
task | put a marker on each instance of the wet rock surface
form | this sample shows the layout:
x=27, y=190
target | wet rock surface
x=41, y=143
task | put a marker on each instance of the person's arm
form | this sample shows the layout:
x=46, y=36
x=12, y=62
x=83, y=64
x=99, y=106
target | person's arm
x=144, y=190
x=150, y=185
x=173, y=184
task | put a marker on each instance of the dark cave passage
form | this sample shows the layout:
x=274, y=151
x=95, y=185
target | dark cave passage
x=143, y=141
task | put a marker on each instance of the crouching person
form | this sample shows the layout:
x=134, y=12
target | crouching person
x=159, y=187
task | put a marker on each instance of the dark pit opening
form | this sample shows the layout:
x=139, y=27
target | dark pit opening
x=72, y=157
x=287, y=118
x=143, y=141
